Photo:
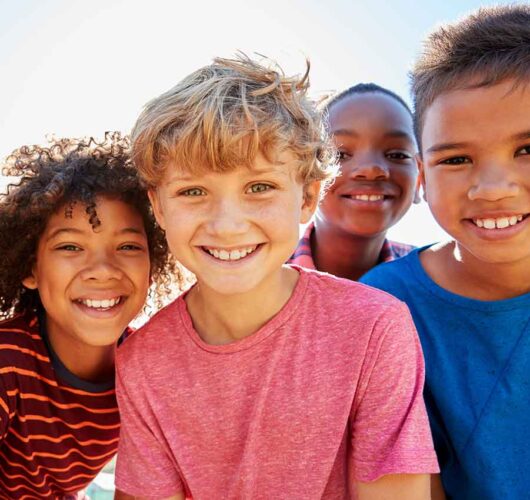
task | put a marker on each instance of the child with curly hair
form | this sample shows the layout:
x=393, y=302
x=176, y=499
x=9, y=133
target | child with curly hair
x=80, y=249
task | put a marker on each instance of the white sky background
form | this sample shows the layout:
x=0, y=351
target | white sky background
x=73, y=67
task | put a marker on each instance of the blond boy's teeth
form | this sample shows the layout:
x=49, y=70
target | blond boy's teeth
x=499, y=223
x=232, y=254
x=368, y=197
x=100, y=304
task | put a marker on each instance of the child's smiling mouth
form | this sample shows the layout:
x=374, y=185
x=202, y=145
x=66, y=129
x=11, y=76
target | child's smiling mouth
x=100, y=304
x=498, y=222
x=230, y=254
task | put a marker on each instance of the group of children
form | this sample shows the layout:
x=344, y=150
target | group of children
x=266, y=379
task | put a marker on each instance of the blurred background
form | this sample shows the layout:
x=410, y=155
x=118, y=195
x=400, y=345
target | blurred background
x=72, y=67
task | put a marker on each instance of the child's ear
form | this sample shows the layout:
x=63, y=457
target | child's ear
x=310, y=201
x=154, y=198
x=30, y=282
x=420, y=182
x=417, y=187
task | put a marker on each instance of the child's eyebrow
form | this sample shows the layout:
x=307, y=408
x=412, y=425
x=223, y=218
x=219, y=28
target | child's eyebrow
x=446, y=146
x=72, y=230
x=397, y=134
x=521, y=136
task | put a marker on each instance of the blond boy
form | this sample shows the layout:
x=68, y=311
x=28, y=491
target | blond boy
x=264, y=380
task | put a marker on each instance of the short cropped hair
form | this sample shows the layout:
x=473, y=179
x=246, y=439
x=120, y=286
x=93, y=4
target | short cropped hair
x=56, y=177
x=483, y=49
x=224, y=114
x=362, y=88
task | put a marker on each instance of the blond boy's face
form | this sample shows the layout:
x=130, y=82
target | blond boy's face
x=476, y=169
x=234, y=230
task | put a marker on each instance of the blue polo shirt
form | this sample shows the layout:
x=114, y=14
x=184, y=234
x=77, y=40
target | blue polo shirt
x=477, y=387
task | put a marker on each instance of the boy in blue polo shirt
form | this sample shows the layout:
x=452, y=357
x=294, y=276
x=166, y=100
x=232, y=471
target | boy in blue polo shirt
x=470, y=297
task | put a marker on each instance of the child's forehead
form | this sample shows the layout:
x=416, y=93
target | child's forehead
x=487, y=114
x=283, y=163
x=103, y=211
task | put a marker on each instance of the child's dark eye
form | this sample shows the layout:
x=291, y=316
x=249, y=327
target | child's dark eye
x=343, y=156
x=192, y=192
x=260, y=187
x=455, y=160
x=69, y=248
x=523, y=151
x=131, y=247
x=398, y=155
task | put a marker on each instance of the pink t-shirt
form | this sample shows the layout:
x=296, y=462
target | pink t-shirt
x=328, y=392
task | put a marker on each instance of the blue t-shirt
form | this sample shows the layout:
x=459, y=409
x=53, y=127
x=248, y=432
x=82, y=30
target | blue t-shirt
x=477, y=387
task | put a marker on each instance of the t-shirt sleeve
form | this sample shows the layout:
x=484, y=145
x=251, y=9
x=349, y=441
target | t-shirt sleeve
x=390, y=429
x=144, y=467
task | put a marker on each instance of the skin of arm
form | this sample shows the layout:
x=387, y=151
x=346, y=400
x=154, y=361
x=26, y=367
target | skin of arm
x=396, y=487
x=119, y=495
x=437, y=490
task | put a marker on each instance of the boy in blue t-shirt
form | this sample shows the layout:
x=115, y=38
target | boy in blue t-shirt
x=470, y=297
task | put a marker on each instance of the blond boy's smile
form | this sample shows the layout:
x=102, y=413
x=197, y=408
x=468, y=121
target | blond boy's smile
x=231, y=254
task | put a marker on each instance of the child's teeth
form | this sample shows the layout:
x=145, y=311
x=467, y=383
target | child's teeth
x=489, y=223
x=500, y=223
x=101, y=304
x=369, y=197
x=503, y=222
x=232, y=255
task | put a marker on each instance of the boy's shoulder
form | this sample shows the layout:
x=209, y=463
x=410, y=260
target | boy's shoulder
x=21, y=331
x=22, y=347
x=328, y=293
x=395, y=272
x=155, y=331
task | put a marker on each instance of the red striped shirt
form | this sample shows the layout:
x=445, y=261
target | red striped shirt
x=56, y=431
x=303, y=256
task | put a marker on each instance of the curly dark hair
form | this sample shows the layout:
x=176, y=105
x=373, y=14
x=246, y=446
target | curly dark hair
x=66, y=172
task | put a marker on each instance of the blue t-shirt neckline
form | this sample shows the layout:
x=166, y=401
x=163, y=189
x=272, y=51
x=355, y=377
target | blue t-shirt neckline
x=432, y=287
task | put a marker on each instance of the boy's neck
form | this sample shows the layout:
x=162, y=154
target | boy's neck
x=223, y=319
x=343, y=254
x=459, y=272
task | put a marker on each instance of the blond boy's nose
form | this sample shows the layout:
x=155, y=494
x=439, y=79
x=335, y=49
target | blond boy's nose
x=228, y=218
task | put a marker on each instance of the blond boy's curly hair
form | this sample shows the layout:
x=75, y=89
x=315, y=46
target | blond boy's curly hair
x=221, y=116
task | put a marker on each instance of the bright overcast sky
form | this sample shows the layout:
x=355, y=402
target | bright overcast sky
x=73, y=67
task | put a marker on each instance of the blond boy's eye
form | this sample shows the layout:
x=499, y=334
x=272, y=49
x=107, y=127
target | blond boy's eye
x=260, y=187
x=343, y=156
x=192, y=192
x=524, y=150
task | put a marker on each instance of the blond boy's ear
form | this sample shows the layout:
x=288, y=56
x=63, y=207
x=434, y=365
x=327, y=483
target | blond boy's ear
x=157, y=209
x=310, y=201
